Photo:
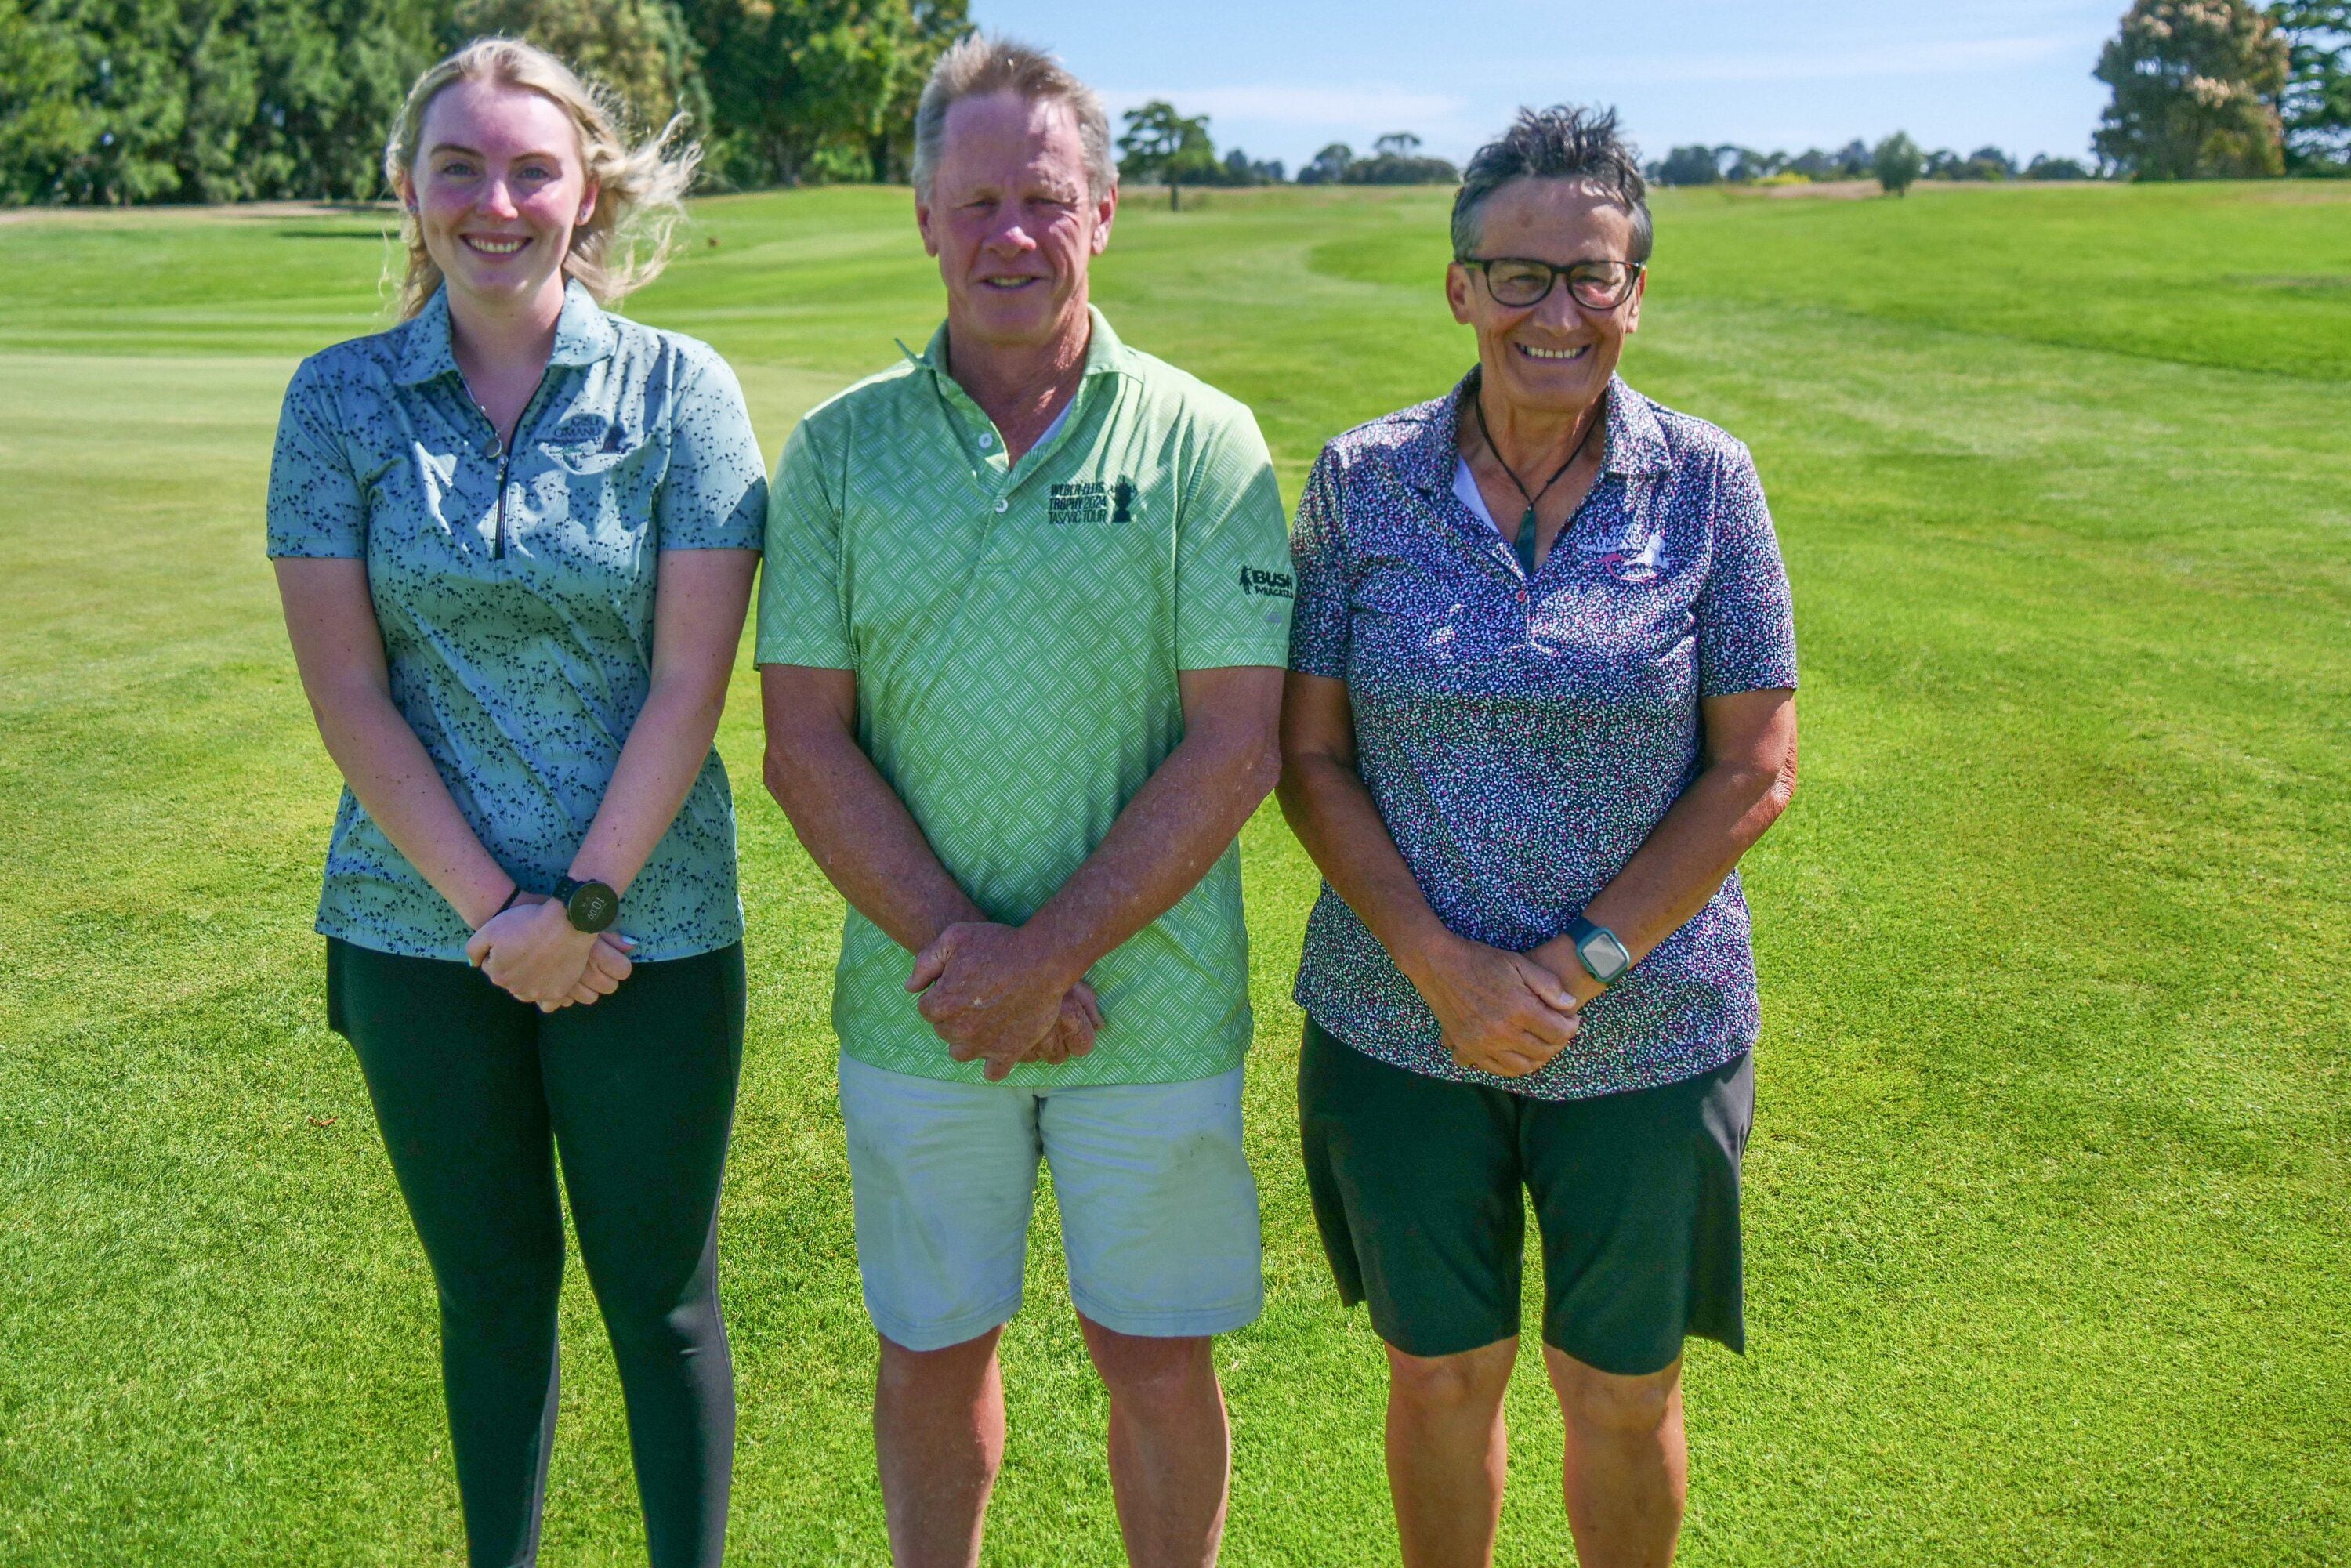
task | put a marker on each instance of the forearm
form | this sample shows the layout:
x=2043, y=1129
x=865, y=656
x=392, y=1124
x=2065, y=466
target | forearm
x=862, y=836
x=1332, y=810
x=663, y=755
x=1186, y=815
x=1681, y=864
x=403, y=793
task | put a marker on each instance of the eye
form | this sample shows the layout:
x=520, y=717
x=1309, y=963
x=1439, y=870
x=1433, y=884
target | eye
x=454, y=168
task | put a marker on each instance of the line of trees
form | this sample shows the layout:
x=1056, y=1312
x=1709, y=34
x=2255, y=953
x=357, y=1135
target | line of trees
x=1733, y=164
x=115, y=101
x=1164, y=144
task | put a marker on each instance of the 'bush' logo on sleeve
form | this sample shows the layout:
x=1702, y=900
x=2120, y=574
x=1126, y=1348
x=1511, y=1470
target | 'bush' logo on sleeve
x=1273, y=584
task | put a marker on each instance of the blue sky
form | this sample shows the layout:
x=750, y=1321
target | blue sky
x=1282, y=77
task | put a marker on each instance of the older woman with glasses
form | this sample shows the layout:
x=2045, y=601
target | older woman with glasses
x=1542, y=699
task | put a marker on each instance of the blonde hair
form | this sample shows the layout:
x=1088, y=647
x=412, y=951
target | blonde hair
x=640, y=188
x=980, y=66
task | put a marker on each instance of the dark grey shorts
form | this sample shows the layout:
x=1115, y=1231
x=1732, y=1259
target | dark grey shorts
x=1416, y=1186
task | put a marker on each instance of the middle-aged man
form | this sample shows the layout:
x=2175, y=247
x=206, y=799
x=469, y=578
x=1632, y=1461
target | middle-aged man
x=1021, y=632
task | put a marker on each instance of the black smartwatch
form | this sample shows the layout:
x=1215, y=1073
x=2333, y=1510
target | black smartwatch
x=1603, y=957
x=591, y=906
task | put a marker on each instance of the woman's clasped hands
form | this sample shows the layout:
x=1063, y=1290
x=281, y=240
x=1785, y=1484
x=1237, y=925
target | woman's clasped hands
x=532, y=952
x=1502, y=1012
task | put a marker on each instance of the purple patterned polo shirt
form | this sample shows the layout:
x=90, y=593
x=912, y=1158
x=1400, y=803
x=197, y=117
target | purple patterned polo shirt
x=1522, y=738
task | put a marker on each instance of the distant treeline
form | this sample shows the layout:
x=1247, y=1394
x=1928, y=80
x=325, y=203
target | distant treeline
x=108, y=102
x=1854, y=161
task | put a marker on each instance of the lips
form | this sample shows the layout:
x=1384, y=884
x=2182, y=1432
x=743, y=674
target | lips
x=1553, y=356
x=497, y=245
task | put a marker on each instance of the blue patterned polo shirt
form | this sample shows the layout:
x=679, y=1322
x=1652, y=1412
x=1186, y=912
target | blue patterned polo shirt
x=1522, y=738
x=515, y=591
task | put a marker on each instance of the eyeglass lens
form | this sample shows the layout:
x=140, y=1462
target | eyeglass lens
x=1599, y=285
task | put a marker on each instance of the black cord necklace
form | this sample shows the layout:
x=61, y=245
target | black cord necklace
x=1524, y=545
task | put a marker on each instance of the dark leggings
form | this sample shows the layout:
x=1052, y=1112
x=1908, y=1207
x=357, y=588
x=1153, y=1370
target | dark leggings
x=476, y=1094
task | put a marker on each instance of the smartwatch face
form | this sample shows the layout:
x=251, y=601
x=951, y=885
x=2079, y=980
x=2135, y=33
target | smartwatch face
x=1606, y=956
x=592, y=906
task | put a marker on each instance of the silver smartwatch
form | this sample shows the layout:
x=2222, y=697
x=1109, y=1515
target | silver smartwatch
x=1603, y=957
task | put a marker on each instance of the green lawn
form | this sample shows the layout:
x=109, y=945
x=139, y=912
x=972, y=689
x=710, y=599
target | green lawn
x=2049, y=1246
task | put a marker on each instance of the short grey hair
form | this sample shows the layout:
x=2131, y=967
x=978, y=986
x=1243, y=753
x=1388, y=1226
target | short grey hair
x=981, y=65
x=1561, y=142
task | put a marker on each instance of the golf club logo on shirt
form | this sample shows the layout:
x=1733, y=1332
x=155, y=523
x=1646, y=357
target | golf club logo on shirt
x=1631, y=555
x=1092, y=501
x=1273, y=584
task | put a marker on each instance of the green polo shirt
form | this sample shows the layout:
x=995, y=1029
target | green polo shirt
x=1017, y=630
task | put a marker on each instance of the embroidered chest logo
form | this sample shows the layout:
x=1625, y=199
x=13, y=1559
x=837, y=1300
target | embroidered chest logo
x=1273, y=584
x=1092, y=501
x=1631, y=555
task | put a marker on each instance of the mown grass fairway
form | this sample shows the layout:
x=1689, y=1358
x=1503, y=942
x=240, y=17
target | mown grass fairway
x=2049, y=1240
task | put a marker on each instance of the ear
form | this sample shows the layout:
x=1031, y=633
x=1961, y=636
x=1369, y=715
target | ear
x=404, y=187
x=588, y=204
x=1105, y=213
x=923, y=223
x=1457, y=285
x=1632, y=309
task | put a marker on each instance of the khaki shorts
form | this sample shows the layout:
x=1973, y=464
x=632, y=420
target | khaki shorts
x=1158, y=1209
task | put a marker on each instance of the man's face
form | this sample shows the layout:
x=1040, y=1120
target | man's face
x=1011, y=220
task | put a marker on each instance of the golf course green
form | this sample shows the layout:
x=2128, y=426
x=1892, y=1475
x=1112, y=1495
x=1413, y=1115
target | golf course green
x=2049, y=1199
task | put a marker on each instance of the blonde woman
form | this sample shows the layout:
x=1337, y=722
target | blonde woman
x=515, y=538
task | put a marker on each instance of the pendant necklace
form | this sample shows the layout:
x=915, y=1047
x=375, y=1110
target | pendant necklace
x=1524, y=545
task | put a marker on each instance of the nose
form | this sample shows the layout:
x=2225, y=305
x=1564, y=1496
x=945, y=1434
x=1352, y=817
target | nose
x=1008, y=238
x=1558, y=311
x=498, y=199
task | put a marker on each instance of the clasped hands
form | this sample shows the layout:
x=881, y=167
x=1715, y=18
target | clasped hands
x=994, y=996
x=1501, y=1012
x=533, y=952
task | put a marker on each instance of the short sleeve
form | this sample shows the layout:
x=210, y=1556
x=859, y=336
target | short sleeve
x=317, y=509
x=1746, y=622
x=1319, y=621
x=803, y=619
x=1233, y=583
x=715, y=492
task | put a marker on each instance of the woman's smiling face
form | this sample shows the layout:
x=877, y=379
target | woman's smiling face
x=1556, y=355
x=497, y=188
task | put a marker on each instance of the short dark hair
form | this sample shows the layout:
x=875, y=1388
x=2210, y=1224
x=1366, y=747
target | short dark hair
x=1561, y=142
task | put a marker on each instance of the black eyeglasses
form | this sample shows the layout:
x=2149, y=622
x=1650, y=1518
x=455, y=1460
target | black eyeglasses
x=1519, y=281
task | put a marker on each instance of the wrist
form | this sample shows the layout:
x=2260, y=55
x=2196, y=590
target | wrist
x=1423, y=952
x=486, y=903
x=1047, y=952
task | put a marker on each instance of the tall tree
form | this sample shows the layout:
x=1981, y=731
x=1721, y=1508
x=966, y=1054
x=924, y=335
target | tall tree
x=1159, y=143
x=2317, y=103
x=1328, y=166
x=1898, y=164
x=44, y=126
x=2195, y=85
x=802, y=87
